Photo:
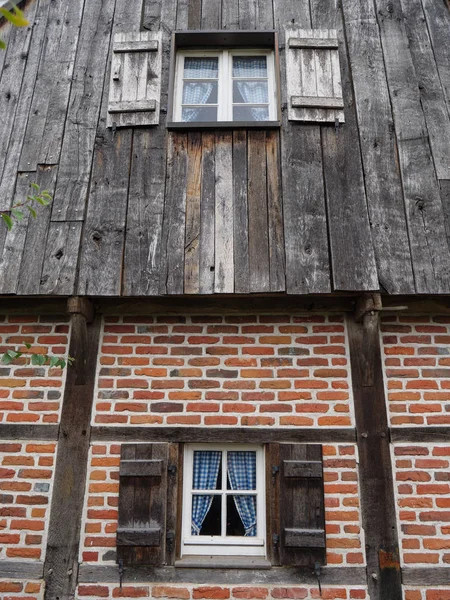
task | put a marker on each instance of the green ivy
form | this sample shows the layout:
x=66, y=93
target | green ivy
x=38, y=360
x=17, y=212
x=14, y=16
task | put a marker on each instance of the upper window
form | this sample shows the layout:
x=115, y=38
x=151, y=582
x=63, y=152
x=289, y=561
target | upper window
x=230, y=85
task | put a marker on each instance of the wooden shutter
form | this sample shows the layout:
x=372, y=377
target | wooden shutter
x=135, y=85
x=146, y=473
x=313, y=76
x=296, y=510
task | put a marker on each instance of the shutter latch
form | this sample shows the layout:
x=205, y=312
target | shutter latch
x=275, y=471
x=172, y=469
x=317, y=574
x=275, y=539
x=120, y=572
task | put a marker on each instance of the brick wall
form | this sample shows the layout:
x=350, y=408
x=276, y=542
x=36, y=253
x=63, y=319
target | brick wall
x=13, y=589
x=345, y=541
x=26, y=477
x=234, y=370
x=30, y=394
x=422, y=486
x=417, y=369
x=434, y=593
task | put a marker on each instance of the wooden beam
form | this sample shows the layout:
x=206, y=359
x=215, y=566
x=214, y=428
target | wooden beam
x=422, y=435
x=25, y=569
x=375, y=468
x=13, y=431
x=367, y=303
x=426, y=576
x=61, y=564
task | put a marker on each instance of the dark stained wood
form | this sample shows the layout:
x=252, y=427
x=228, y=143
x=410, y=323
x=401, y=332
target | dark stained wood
x=138, y=537
x=420, y=434
x=192, y=234
x=172, y=250
x=277, y=259
x=140, y=467
x=201, y=434
x=429, y=251
x=241, y=216
x=375, y=468
x=28, y=432
x=61, y=258
x=223, y=216
x=83, y=112
x=304, y=538
x=61, y=563
x=382, y=179
x=174, y=501
x=145, y=213
x=207, y=214
x=272, y=451
x=258, y=232
x=305, y=468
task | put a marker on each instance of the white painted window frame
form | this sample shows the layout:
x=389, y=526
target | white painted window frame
x=225, y=81
x=223, y=545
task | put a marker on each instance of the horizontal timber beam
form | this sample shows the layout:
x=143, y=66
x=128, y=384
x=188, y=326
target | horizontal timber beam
x=21, y=569
x=427, y=576
x=420, y=434
x=12, y=431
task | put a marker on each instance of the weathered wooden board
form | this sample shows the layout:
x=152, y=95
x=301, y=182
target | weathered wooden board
x=378, y=146
x=182, y=18
x=352, y=253
x=45, y=127
x=61, y=258
x=444, y=186
x=431, y=93
x=14, y=146
x=277, y=260
x=258, y=232
x=207, y=215
x=429, y=250
x=194, y=14
x=192, y=234
x=145, y=214
x=83, y=112
x=33, y=255
x=10, y=84
x=223, y=224
x=172, y=249
x=240, y=216
x=230, y=14
x=211, y=12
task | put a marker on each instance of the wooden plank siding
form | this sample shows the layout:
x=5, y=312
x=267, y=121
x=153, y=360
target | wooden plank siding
x=303, y=209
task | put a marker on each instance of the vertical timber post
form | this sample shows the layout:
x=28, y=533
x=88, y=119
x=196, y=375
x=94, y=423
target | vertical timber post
x=61, y=563
x=375, y=468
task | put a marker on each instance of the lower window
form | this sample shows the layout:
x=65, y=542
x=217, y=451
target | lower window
x=223, y=500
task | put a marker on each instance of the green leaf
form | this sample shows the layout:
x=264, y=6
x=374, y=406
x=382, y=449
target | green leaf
x=34, y=186
x=18, y=214
x=32, y=211
x=16, y=16
x=6, y=359
x=39, y=200
x=54, y=361
x=38, y=359
x=7, y=219
x=27, y=345
x=2, y=45
x=46, y=194
x=61, y=363
x=9, y=356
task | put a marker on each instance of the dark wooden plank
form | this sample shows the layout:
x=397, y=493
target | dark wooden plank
x=352, y=253
x=134, y=537
x=414, y=435
x=429, y=251
x=28, y=432
x=432, y=97
x=207, y=213
x=145, y=213
x=375, y=468
x=275, y=576
x=192, y=234
x=277, y=259
x=258, y=233
x=33, y=255
x=61, y=258
x=223, y=217
x=211, y=12
x=426, y=576
x=174, y=501
x=378, y=146
x=126, y=501
x=14, y=147
x=200, y=434
x=21, y=569
x=83, y=112
x=45, y=127
x=140, y=467
x=240, y=208
x=304, y=538
x=172, y=250
x=61, y=563
x=302, y=468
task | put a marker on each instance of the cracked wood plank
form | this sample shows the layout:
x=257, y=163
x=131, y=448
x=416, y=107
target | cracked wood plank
x=240, y=208
x=61, y=258
x=192, y=235
x=277, y=260
x=207, y=212
x=223, y=243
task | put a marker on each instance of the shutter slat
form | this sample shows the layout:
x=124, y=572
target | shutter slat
x=132, y=106
x=304, y=538
x=142, y=468
x=138, y=537
x=316, y=102
x=136, y=46
x=305, y=468
x=313, y=43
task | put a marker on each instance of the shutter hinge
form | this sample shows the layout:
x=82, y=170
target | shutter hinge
x=172, y=469
x=275, y=539
x=275, y=471
x=121, y=571
x=317, y=574
x=170, y=539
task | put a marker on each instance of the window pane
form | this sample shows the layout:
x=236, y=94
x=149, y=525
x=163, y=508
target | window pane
x=241, y=470
x=200, y=68
x=199, y=115
x=250, y=92
x=200, y=92
x=246, y=508
x=206, y=515
x=234, y=522
x=249, y=66
x=247, y=113
x=206, y=469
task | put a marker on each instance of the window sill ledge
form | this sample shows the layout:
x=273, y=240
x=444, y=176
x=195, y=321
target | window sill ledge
x=223, y=562
x=225, y=125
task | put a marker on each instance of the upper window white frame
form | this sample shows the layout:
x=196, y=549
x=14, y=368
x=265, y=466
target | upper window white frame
x=225, y=82
x=223, y=545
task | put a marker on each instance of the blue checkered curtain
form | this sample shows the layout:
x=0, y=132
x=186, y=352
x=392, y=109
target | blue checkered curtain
x=242, y=476
x=206, y=470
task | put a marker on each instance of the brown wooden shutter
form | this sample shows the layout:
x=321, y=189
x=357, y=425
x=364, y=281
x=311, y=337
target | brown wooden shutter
x=146, y=472
x=135, y=84
x=313, y=77
x=296, y=511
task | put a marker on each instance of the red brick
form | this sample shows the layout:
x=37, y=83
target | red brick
x=210, y=593
x=249, y=593
x=93, y=590
x=165, y=591
x=131, y=592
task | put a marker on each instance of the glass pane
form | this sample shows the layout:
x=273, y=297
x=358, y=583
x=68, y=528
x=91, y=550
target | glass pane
x=246, y=509
x=199, y=115
x=206, y=515
x=206, y=469
x=249, y=66
x=250, y=92
x=241, y=470
x=234, y=522
x=247, y=113
x=199, y=92
x=200, y=68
